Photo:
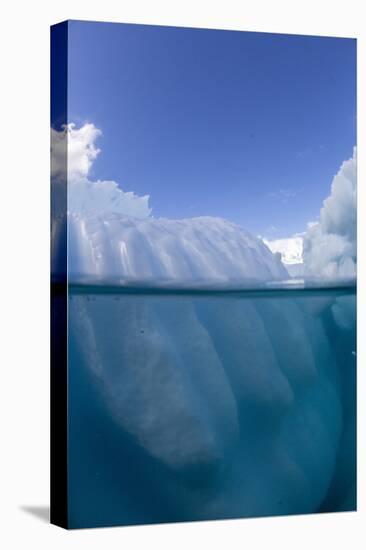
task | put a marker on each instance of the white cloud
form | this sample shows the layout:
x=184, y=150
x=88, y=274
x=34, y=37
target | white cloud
x=85, y=195
x=330, y=247
x=81, y=151
x=284, y=195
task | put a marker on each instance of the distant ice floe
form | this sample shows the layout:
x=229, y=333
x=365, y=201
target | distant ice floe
x=290, y=249
x=291, y=252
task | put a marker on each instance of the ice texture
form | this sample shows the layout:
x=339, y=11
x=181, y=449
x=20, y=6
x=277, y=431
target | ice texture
x=115, y=246
x=237, y=406
x=330, y=246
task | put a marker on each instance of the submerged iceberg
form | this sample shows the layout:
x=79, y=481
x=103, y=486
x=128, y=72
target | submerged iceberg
x=212, y=406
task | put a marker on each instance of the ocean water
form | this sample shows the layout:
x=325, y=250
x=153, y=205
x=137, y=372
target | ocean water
x=210, y=404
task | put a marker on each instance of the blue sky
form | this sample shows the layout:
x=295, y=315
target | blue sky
x=247, y=126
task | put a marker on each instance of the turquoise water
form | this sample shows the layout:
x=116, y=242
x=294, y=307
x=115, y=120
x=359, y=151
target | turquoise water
x=191, y=405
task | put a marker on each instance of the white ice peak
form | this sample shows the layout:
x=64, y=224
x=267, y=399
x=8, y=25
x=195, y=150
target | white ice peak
x=196, y=250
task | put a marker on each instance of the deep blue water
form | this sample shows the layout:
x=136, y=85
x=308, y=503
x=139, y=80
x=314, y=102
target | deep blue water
x=209, y=405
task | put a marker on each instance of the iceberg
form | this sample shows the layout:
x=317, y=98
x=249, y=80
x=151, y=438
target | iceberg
x=236, y=404
x=199, y=405
x=330, y=246
x=112, y=234
x=187, y=251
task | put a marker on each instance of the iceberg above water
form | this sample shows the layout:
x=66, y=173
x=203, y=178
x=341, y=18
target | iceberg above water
x=187, y=251
x=112, y=234
x=330, y=246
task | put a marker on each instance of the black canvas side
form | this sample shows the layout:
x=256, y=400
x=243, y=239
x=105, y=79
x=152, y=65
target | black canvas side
x=59, y=492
